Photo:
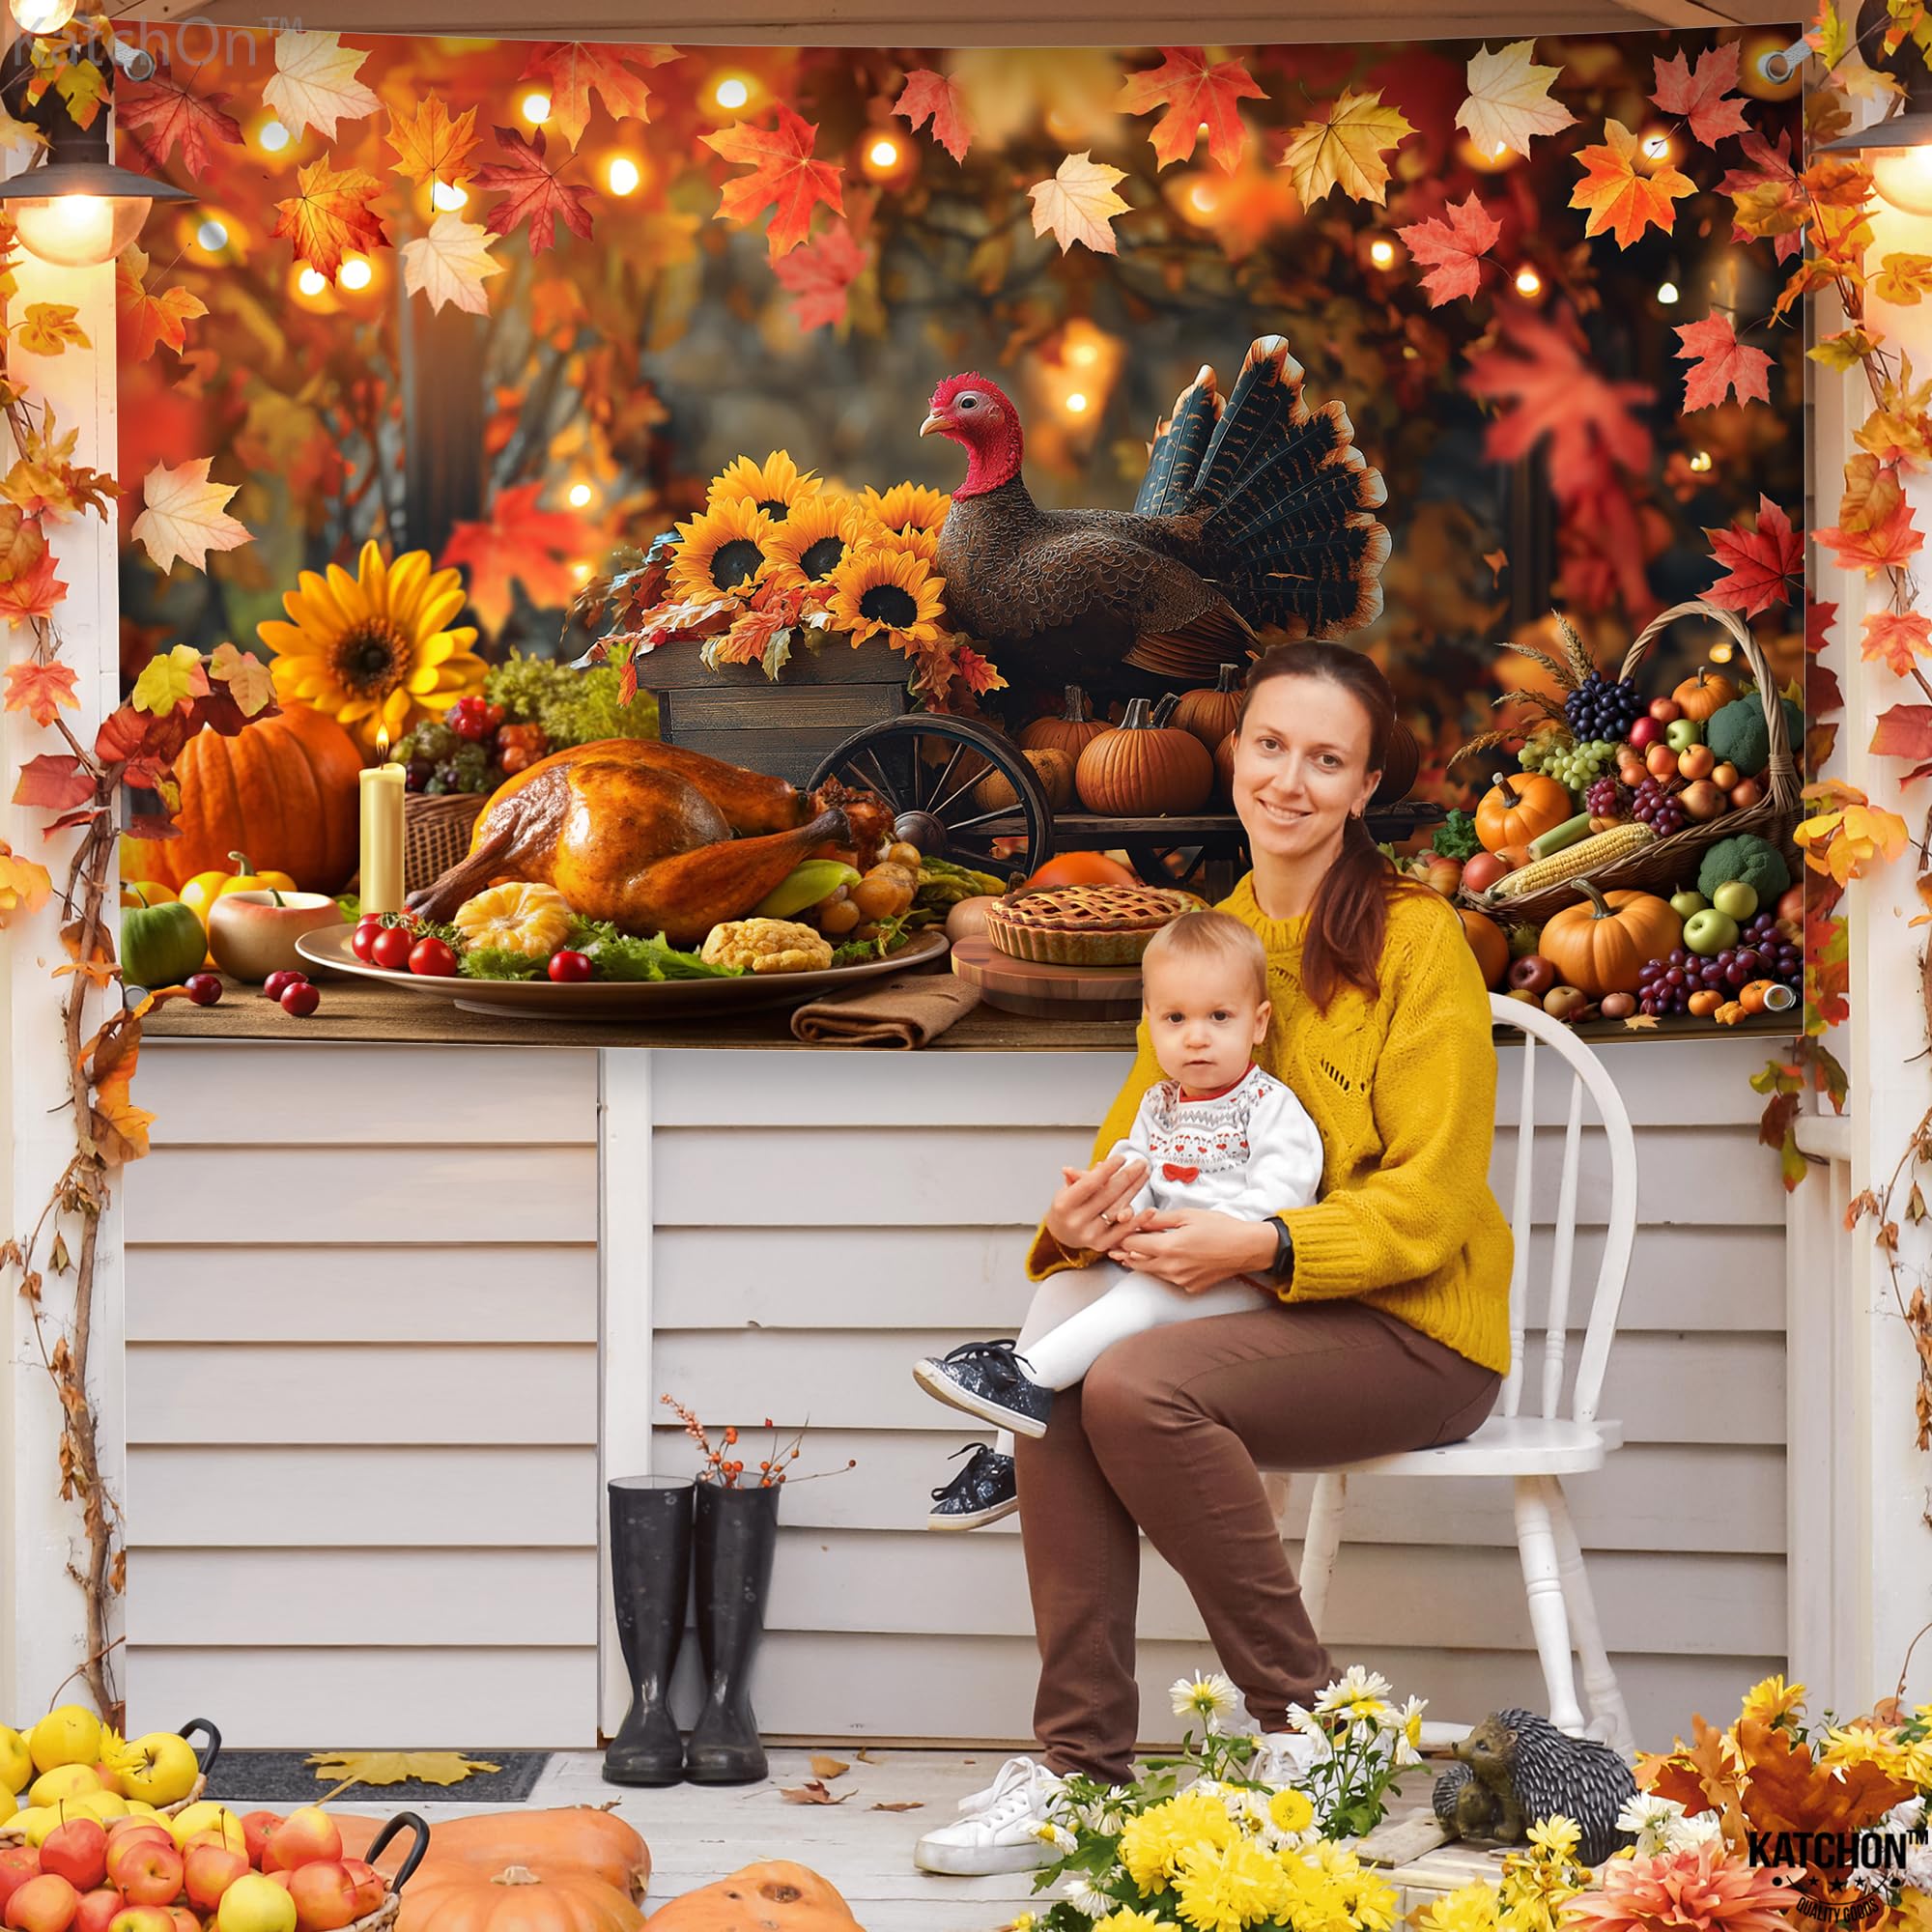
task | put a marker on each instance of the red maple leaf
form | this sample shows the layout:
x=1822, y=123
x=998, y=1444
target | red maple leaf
x=939, y=96
x=1196, y=96
x=819, y=276
x=34, y=592
x=1818, y=621
x=570, y=70
x=41, y=690
x=1896, y=639
x=1905, y=731
x=1888, y=541
x=1761, y=564
x=1454, y=246
x=56, y=781
x=974, y=671
x=1719, y=362
x=520, y=541
x=532, y=194
x=1769, y=198
x=1702, y=95
x=164, y=116
x=784, y=177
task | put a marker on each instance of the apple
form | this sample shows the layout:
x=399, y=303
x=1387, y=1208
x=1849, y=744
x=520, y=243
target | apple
x=209, y=1816
x=166, y=1766
x=324, y=1896
x=1736, y=896
x=1723, y=776
x=150, y=1874
x=44, y=1904
x=1532, y=974
x=141, y=1919
x=258, y=1828
x=1708, y=932
x=1482, y=872
x=1442, y=873
x=66, y=1780
x=1524, y=993
x=1661, y=761
x=256, y=1904
x=1681, y=733
x=78, y=1851
x=1696, y=761
x=17, y=1864
x=1565, y=1002
x=1703, y=800
x=279, y=1877
x=253, y=934
x=184, y=1919
x=1617, y=1006
x=1665, y=710
x=371, y=1887
x=1747, y=792
x=1791, y=904
x=1686, y=902
x=211, y=1869
x=1645, y=733
x=98, y=1909
x=307, y=1835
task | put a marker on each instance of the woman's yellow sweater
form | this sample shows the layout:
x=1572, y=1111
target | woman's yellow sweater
x=1403, y=1092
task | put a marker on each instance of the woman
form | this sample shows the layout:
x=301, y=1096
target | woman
x=1392, y=1330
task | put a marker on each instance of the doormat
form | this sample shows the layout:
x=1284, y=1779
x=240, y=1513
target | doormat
x=284, y=1778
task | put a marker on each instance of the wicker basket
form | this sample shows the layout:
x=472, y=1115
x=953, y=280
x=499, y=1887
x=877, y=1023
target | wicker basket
x=1665, y=864
x=436, y=832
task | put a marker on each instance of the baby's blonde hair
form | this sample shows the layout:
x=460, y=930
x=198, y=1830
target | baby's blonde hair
x=1211, y=935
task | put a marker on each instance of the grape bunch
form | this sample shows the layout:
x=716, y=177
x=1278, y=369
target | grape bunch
x=1603, y=707
x=1571, y=762
x=1762, y=953
x=1604, y=798
x=1780, y=958
x=1654, y=805
x=1666, y=985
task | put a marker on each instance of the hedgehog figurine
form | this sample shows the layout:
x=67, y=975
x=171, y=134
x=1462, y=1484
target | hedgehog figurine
x=1516, y=1767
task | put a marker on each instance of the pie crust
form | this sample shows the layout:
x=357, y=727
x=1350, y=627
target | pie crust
x=1085, y=925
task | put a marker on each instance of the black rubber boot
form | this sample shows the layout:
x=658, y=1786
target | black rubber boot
x=737, y=1532
x=650, y=1575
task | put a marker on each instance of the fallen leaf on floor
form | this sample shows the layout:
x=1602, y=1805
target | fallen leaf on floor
x=902, y=1805
x=809, y=1793
x=828, y=1767
x=394, y=1767
x=865, y=1755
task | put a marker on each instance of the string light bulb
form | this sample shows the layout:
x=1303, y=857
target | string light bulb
x=623, y=175
x=536, y=108
x=1381, y=252
x=1076, y=402
x=884, y=153
x=272, y=137
x=1700, y=462
x=447, y=197
x=731, y=93
x=1527, y=281
x=580, y=495
x=356, y=274
x=311, y=282
x=1657, y=147
x=1202, y=198
x=210, y=235
x=1668, y=293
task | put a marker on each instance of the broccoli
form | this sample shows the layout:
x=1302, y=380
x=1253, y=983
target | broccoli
x=1455, y=837
x=1744, y=856
x=1736, y=733
x=573, y=706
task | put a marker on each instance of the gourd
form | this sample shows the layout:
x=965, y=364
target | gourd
x=1081, y=868
x=524, y=918
x=774, y=1897
x=453, y=1896
x=1141, y=768
x=1071, y=733
x=1052, y=767
x=1213, y=712
x=1601, y=946
x=1699, y=696
x=1487, y=942
x=574, y=1839
x=160, y=944
x=283, y=786
x=1520, y=806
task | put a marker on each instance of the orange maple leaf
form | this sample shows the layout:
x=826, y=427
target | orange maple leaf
x=22, y=541
x=939, y=97
x=119, y=1127
x=570, y=70
x=1897, y=638
x=520, y=542
x=148, y=320
x=1619, y=198
x=34, y=592
x=330, y=215
x=1197, y=97
x=1785, y=1791
x=166, y=115
x=429, y=146
x=784, y=178
x=41, y=690
x=1879, y=546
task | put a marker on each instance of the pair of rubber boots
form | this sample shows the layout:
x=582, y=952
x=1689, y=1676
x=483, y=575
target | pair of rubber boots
x=665, y=1532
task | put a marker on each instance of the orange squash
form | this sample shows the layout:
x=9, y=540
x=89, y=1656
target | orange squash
x=1520, y=806
x=1141, y=768
x=1708, y=692
x=774, y=1897
x=1601, y=945
x=1211, y=714
x=1224, y=766
x=1487, y=942
x=1071, y=733
x=1082, y=868
x=576, y=1837
x=453, y=1896
x=284, y=788
x=1053, y=769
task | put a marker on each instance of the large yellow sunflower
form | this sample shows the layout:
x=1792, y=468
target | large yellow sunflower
x=813, y=541
x=377, y=650
x=774, y=485
x=722, y=552
x=907, y=507
x=886, y=591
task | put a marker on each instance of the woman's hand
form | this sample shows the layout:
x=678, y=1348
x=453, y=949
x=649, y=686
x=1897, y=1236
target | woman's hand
x=1193, y=1248
x=1083, y=1213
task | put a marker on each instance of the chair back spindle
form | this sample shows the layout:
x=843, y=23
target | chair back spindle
x=1519, y=1213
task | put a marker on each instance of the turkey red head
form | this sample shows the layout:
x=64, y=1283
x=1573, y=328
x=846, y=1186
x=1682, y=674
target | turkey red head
x=980, y=416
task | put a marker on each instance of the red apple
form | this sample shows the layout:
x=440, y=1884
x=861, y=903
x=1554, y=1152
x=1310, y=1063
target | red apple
x=1482, y=872
x=1661, y=761
x=324, y=1896
x=1645, y=733
x=77, y=1850
x=44, y=1904
x=1703, y=800
x=141, y=1919
x=1791, y=904
x=211, y=1869
x=258, y=1828
x=183, y=1918
x=98, y=1909
x=282, y=1877
x=1747, y=792
x=1696, y=761
x=1665, y=710
x=307, y=1835
x=17, y=1864
x=150, y=1874
x=371, y=1887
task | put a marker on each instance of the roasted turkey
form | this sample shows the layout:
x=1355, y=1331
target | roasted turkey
x=651, y=838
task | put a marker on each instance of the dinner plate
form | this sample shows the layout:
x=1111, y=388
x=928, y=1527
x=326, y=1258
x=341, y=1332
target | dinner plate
x=617, y=999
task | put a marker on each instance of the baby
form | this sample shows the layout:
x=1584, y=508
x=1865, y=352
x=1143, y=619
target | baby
x=1218, y=1134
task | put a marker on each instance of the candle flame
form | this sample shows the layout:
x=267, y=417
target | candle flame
x=381, y=742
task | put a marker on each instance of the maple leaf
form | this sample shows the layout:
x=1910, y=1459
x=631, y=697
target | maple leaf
x=571, y=70
x=1454, y=246
x=250, y=682
x=1902, y=280
x=148, y=320
x=163, y=117
x=1509, y=101
x=937, y=96
x=184, y=517
x=1786, y=1791
x=1196, y=96
x=810, y=1792
x=41, y=690
x=1077, y=203
x=449, y=263
x=1346, y=149
x=784, y=177
x=1766, y=198
x=33, y=592
x=429, y=146
x=1905, y=731
x=170, y=678
x=314, y=84
x=55, y=782
x=84, y=88
x=1721, y=363
x=974, y=671
x=1702, y=95
x=395, y=1767
x=1845, y=349
x=537, y=547
x=1760, y=564
x=19, y=133
x=330, y=215
x=49, y=328
x=1872, y=492
x=24, y=886
x=532, y=192
x=1879, y=547
x=46, y=477
x=819, y=276
x=22, y=542
x=1896, y=638
x=1619, y=198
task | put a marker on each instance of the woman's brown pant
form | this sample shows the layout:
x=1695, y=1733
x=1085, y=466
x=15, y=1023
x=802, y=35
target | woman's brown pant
x=1168, y=1433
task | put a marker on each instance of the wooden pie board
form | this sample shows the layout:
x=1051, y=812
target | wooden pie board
x=1032, y=986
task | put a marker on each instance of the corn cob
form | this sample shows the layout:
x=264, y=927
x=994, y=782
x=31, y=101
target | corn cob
x=1587, y=855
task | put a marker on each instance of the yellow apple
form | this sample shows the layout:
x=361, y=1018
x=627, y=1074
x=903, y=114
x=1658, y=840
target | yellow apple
x=208, y=1816
x=70, y=1735
x=107, y=1805
x=45, y=1818
x=255, y=1904
x=9, y=1804
x=65, y=1781
x=17, y=1763
x=164, y=1769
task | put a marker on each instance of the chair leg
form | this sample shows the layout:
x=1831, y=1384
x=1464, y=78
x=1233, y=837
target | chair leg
x=1536, y=1546
x=1320, y=1545
x=1609, y=1720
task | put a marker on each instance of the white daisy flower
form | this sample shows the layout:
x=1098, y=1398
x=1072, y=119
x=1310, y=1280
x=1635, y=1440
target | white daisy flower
x=1689, y=1833
x=1080, y=1894
x=1358, y=1692
x=1208, y=1699
x=1652, y=1820
x=1056, y=1837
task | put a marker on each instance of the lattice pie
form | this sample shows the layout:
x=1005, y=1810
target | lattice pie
x=1085, y=925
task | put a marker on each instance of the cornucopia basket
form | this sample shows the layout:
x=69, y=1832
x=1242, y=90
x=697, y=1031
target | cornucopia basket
x=436, y=832
x=1665, y=864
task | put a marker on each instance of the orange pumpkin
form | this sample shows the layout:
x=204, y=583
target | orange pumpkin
x=1082, y=868
x=1071, y=733
x=1708, y=692
x=1601, y=945
x=1224, y=766
x=576, y=1837
x=1053, y=769
x=1212, y=713
x=284, y=788
x=774, y=1897
x=1487, y=942
x=453, y=1896
x=1141, y=769
x=1520, y=806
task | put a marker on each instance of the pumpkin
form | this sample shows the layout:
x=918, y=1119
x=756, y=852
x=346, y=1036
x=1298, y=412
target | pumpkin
x=524, y=918
x=1054, y=769
x=284, y=787
x=1522, y=805
x=774, y=1897
x=1601, y=945
x=1081, y=868
x=1212, y=714
x=1708, y=692
x=1487, y=942
x=1071, y=733
x=578, y=1838
x=1142, y=769
x=451, y=1895
x=1224, y=766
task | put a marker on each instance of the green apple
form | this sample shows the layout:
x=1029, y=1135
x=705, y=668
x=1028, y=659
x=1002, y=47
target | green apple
x=1736, y=896
x=1708, y=932
x=1684, y=903
x=1681, y=734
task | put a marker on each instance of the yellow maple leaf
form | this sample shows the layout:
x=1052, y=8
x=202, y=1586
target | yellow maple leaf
x=251, y=683
x=430, y=146
x=83, y=86
x=395, y=1767
x=1903, y=279
x=119, y=1127
x=169, y=678
x=1077, y=203
x=1346, y=149
x=185, y=516
x=1509, y=101
x=1619, y=198
x=49, y=328
x=314, y=83
x=24, y=886
x=448, y=263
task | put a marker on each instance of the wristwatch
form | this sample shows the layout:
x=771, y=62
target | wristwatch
x=1281, y=1270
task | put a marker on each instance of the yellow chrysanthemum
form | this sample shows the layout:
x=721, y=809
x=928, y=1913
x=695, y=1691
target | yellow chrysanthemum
x=886, y=593
x=375, y=651
x=813, y=541
x=1125, y=1919
x=907, y=507
x=1556, y=1837
x=1152, y=1845
x=1226, y=1888
x=1848, y=1745
x=1290, y=1810
x=774, y=486
x=723, y=553
x=1772, y=1698
x=1469, y=1908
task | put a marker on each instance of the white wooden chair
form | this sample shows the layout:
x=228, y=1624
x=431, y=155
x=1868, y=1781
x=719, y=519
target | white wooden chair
x=1535, y=1450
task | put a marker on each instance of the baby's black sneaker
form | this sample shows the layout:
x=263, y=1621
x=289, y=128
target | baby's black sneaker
x=985, y=1380
x=982, y=1492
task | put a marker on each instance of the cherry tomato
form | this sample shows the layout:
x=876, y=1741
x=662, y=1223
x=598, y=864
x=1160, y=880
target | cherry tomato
x=391, y=949
x=203, y=989
x=432, y=955
x=363, y=941
x=273, y=984
x=566, y=967
x=301, y=1000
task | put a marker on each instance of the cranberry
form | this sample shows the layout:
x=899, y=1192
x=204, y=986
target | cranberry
x=203, y=989
x=301, y=1000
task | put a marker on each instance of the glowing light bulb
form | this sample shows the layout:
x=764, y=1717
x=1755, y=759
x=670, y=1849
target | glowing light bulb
x=1700, y=462
x=1527, y=281
x=1903, y=176
x=311, y=282
x=79, y=231
x=274, y=137
x=731, y=94
x=536, y=108
x=1084, y=354
x=1202, y=198
x=884, y=153
x=212, y=236
x=355, y=272
x=43, y=16
x=447, y=197
x=1381, y=253
x=1657, y=147
x=1076, y=403
x=1721, y=654
x=578, y=495
x=1498, y=150
x=579, y=570
x=1667, y=293
x=624, y=175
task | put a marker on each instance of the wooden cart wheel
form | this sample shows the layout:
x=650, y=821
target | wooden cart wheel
x=926, y=767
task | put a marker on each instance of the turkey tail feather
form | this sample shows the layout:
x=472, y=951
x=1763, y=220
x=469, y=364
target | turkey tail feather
x=1174, y=457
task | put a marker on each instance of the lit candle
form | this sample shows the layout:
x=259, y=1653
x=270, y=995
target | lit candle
x=383, y=791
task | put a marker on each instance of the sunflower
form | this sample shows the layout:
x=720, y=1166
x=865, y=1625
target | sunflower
x=721, y=552
x=880, y=592
x=375, y=651
x=907, y=507
x=774, y=485
x=813, y=541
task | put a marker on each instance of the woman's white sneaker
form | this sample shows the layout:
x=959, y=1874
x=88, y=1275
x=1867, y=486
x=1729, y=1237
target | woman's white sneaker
x=1002, y=1833
x=1286, y=1757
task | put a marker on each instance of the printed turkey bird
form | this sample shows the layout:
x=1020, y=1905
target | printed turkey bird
x=1255, y=515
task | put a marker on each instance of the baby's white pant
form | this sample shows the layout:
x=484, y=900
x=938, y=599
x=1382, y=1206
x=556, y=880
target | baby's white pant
x=1079, y=1314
